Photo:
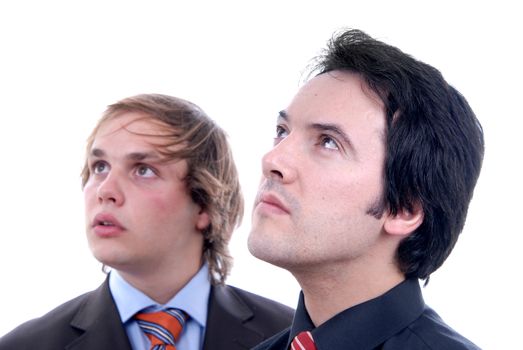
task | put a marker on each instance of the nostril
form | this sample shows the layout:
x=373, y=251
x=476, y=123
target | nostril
x=106, y=196
x=277, y=173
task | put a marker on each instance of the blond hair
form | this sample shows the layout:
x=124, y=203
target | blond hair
x=212, y=178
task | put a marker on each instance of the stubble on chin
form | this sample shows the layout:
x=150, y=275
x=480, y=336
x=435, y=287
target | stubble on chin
x=271, y=238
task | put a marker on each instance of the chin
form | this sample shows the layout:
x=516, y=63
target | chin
x=263, y=248
x=107, y=256
x=257, y=244
x=107, y=261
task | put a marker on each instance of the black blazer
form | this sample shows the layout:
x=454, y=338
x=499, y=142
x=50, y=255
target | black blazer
x=236, y=320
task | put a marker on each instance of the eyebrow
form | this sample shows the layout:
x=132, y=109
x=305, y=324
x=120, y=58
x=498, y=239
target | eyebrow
x=134, y=156
x=322, y=127
x=283, y=115
x=333, y=128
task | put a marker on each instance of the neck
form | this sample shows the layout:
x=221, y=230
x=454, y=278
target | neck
x=163, y=284
x=332, y=289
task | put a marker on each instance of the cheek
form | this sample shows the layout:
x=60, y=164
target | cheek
x=343, y=198
x=89, y=195
x=154, y=204
x=166, y=206
x=334, y=191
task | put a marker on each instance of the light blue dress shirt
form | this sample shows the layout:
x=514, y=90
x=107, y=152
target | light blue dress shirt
x=193, y=299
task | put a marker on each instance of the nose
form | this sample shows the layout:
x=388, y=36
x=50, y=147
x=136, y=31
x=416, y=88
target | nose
x=109, y=190
x=279, y=163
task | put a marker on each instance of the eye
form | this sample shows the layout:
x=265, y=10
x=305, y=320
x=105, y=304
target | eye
x=143, y=170
x=100, y=167
x=281, y=133
x=328, y=142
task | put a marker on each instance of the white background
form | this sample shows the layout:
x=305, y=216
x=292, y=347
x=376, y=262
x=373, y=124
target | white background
x=62, y=62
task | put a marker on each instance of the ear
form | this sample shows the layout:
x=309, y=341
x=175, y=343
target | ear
x=202, y=221
x=404, y=222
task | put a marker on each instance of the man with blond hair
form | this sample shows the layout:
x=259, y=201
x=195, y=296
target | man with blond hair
x=162, y=198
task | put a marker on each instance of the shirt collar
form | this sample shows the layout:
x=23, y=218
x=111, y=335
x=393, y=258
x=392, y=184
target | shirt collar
x=302, y=321
x=366, y=325
x=192, y=298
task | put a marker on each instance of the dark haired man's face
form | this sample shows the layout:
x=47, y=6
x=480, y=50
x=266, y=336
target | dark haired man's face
x=322, y=177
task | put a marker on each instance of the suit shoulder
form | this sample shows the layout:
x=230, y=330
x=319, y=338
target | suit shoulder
x=431, y=332
x=34, y=331
x=276, y=342
x=259, y=314
x=265, y=305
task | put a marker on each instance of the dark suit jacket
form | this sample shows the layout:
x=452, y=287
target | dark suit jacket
x=236, y=320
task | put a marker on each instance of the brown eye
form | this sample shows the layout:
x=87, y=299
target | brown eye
x=281, y=133
x=328, y=142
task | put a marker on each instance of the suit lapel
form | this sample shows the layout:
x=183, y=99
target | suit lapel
x=98, y=323
x=227, y=322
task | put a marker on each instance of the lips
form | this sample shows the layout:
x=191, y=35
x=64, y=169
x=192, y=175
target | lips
x=106, y=225
x=271, y=202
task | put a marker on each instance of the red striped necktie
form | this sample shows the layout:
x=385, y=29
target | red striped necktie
x=303, y=341
x=163, y=328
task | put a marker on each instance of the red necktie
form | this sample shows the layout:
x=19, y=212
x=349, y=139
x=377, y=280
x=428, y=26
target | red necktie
x=303, y=341
x=163, y=328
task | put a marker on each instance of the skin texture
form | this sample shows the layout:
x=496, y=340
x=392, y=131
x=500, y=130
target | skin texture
x=155, y=240
x=320, y=182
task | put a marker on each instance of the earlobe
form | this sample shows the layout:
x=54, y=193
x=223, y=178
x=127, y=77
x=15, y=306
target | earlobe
x=202, y=221
x=404, y=222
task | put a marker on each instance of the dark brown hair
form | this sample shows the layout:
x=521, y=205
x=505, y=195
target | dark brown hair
x=434, y=143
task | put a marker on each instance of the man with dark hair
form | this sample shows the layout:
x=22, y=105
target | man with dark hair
x=365, y=193
x=162, y=198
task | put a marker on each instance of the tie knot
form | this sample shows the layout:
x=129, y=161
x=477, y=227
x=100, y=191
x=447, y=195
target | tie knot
x=303, y=341
x=162, y=327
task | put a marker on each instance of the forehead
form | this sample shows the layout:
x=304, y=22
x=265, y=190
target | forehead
x=132, y=132
x=338, y=97
x=133, y=122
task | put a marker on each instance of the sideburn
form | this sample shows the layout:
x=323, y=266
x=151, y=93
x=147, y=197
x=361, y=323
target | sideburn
x=377, y=208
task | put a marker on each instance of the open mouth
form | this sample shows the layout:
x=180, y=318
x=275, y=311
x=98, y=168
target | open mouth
x=105, y=223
